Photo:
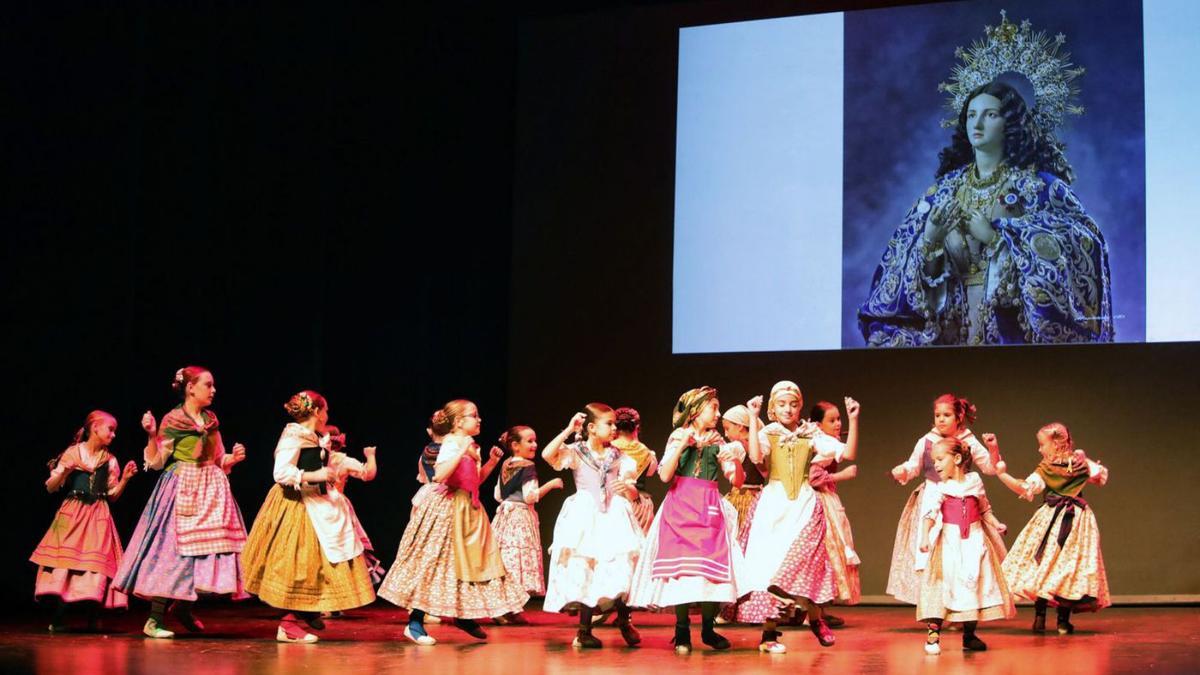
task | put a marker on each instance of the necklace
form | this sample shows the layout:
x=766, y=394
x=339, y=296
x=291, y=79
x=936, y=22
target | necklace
x=975, y=193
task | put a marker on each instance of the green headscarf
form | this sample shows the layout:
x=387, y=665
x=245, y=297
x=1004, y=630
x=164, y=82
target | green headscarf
x=690, y=405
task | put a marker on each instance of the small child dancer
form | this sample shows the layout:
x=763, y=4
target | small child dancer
x=962, y=580
x=516, y=521
x=596, y=538
x=303, y=554
x=337, y=445
x=448, y=563
x=691, y=554
x=80, y=553
x=951, y=415
x=629, y=425
x=1056, y=559
x=824, y=475
x=739, y=426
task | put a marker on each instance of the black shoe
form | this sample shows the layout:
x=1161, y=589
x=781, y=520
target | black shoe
x=820, y=629
x=1064, y=621
x=834, y=621
x=186, y=618
x=470, y=628
x=682, y=640
x=1039, y=623
x=585, y=639
x=972, y=643
x=314, y=621
x=629, y=634
x=714, y=639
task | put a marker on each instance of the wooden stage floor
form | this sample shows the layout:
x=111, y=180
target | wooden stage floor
x=875, y=639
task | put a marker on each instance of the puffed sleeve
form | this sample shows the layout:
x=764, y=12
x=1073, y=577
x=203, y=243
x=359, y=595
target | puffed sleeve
x=980, y=457
x=827, y=449
x=1097, y=473
x=114, y=472
x=565, y=458
x=529, y=485
x=912, y=466
x=931, y=500
x=452, y=449
x=1033, y=485
x=287, y=453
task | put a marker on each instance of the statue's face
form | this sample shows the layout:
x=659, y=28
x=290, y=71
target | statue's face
x=985, y=124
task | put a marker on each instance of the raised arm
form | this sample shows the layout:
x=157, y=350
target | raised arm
x=556, y=446
x=116, y=486
x=157, y=448
x=851, y=451
x=58, y=475
x=494, y=457
x=678, y=441
x=910, y=468
x=753, y=444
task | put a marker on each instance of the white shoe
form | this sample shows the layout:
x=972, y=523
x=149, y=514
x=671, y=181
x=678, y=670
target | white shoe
x=772, y=647
x=683, y=650
x=152, y=630
x=933, y=649
x=282, y=636
x=720, y=621
x=422, y=640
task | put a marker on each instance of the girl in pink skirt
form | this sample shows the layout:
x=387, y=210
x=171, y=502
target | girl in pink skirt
x=79, y=555
x=691, y=554
x=516, y=521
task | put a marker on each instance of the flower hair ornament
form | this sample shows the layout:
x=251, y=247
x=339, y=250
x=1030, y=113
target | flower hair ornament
x=179, y=376
x=1035, y=56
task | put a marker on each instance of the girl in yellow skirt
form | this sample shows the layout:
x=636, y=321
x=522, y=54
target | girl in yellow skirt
x=738, y=425
x=303, y=554
x=951, y=415
x=448, y=562
x=962, y=580
x=516, y=521
x=1056, y=559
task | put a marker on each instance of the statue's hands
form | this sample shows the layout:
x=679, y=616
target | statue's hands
x=941, y=221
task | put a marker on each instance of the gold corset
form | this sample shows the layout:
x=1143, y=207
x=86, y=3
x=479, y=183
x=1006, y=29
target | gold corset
x=789, y=463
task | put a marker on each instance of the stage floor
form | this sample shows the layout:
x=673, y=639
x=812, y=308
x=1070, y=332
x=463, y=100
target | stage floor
x=875, y=639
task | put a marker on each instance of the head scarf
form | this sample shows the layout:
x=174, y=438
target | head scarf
x=690, y=405
x=782, y=388
x=738, y=414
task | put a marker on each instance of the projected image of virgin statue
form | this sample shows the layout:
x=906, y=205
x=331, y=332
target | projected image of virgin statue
x=998, y=250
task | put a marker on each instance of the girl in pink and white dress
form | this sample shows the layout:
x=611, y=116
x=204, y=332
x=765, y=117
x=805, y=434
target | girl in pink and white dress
x=516, y=520
x=691, y=556
x=951, y=415
x=961, y=577
x=824, y=475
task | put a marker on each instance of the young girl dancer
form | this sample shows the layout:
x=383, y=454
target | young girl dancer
x=629, y=425
x=785, y=547
x=448, y=562
x=304, y=555
x=1056, y=559
x=337, y=445
x=824, y=477
x=516, y=521
x=596, y=538
x=961, y=579
x=191, y=533
x=951, y=415
x=79, y=555
x=691, y=554
x=740, y=426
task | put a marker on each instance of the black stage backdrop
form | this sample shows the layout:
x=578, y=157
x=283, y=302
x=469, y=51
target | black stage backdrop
x=294, y=198
x=403, y=206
